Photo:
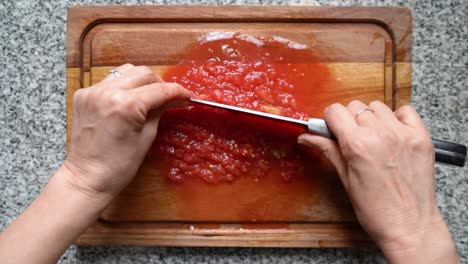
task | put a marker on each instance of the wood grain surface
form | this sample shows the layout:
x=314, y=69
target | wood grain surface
x=367, y=50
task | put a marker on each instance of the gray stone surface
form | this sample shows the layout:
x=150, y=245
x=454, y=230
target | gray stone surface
x=32, y=120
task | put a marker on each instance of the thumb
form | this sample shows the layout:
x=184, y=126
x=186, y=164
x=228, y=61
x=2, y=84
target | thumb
x=329, y=148
x=157, y=97
x=153, y=117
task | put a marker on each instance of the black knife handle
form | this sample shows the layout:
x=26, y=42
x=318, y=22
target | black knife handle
x=449, y=152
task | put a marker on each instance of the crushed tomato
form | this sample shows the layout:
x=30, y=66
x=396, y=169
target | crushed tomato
x=215, y=145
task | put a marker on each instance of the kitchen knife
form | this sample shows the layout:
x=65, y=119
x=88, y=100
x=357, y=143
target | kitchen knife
x=445, y=152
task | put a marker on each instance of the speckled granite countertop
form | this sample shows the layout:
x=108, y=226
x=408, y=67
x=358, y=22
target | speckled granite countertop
x=32, y=120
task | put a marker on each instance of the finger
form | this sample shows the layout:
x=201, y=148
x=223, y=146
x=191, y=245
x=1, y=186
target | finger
x=157, y=95
x=121, y=70
x=363, y=118
x=385, y=115
x=408, y=116
x=339, y=120
x=382, y=111
x=151, y=125
x=329, y=148
x=150, y=129
x=135, y=77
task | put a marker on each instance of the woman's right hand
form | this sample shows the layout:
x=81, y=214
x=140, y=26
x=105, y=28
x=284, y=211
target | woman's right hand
x=385, y=161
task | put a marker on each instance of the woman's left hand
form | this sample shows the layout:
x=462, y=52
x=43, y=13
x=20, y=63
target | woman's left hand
x=113, y=126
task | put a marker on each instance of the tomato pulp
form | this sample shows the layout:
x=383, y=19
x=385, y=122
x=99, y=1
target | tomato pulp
x=272, y=75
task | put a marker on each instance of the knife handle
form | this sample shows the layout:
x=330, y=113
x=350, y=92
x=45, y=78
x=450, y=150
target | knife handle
x=319, y=126
x=445, y=152
x=449, y=152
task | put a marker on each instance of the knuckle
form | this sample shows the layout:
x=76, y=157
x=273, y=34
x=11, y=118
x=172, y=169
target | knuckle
x=354, y=103
x=122, y=105
x=377, y=103
x=80, y=95
x=145, y=70
x=147, y=74
x=331, y=111
x=117, y=99
x=128, y=65
x=332, y=108
x=129, y=103
x=421, y=144
x=405, y=109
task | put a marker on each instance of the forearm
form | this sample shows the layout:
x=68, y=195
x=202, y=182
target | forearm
x=51, y=223
x=434, y=246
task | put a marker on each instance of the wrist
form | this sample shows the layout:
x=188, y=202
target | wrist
x=432, y=244
x=71, y=178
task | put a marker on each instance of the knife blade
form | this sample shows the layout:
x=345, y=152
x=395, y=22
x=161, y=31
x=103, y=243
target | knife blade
x=313, y=125
x=445, y=152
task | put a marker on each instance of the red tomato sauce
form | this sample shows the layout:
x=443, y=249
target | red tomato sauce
x=272, y=75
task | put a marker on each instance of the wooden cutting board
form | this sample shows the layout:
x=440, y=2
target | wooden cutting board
x=367, y=49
